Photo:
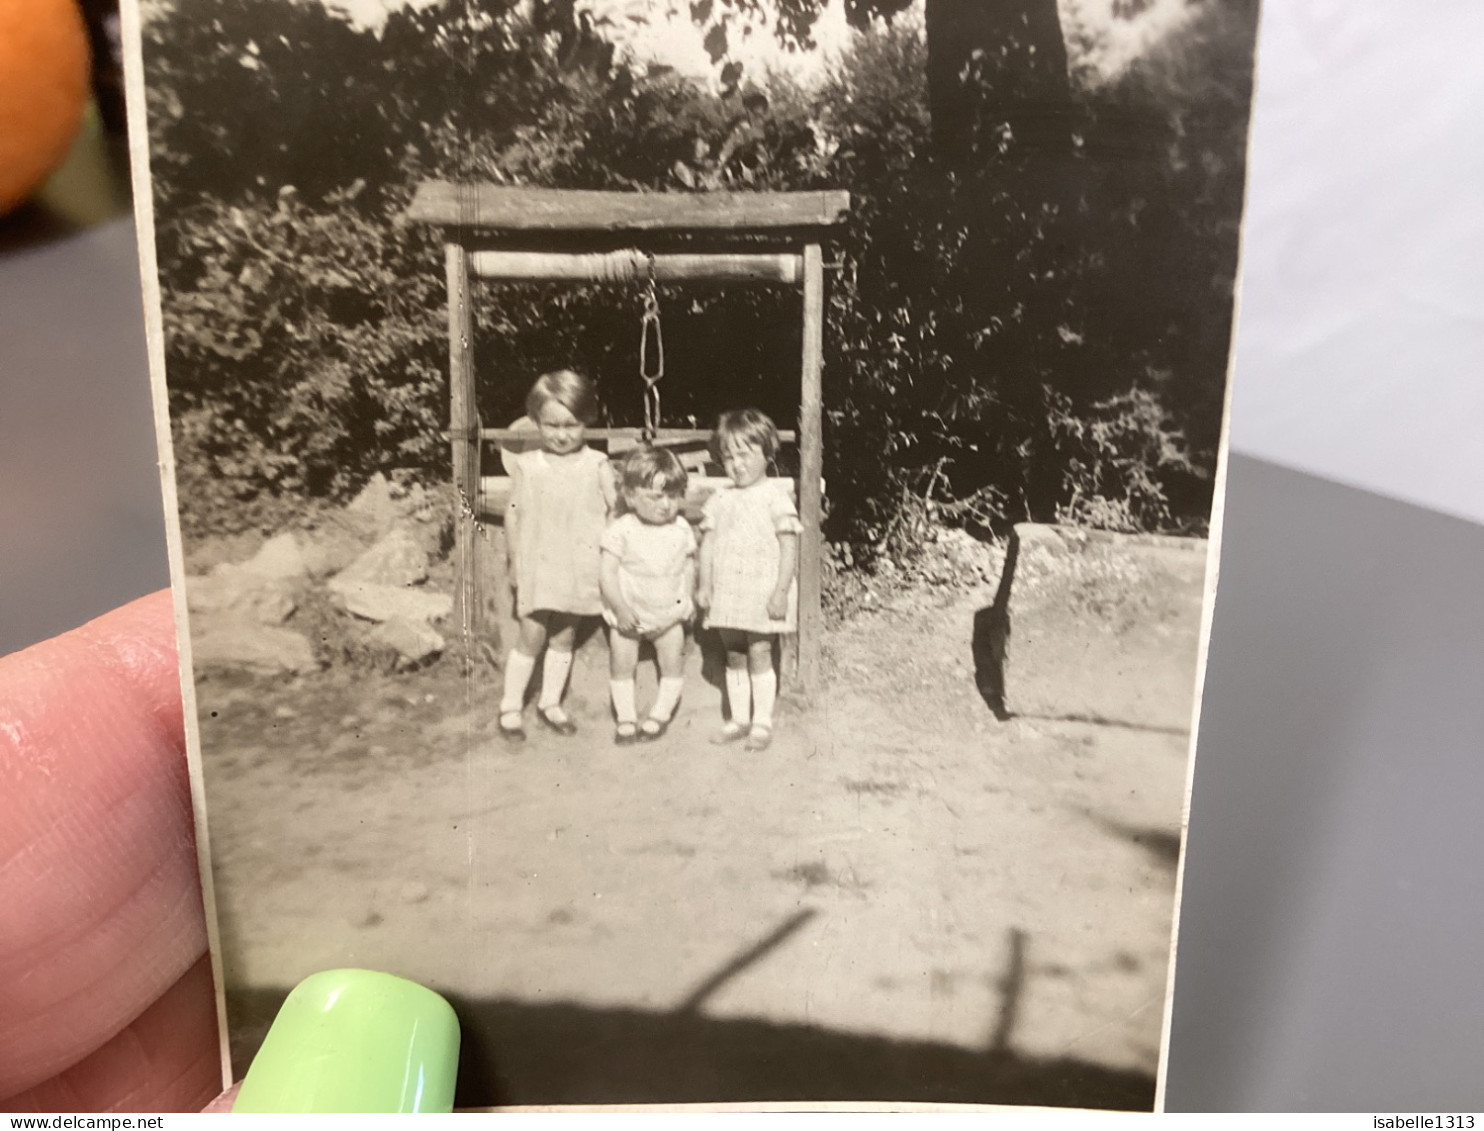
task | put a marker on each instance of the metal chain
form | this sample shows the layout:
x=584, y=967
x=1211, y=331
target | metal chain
x=466, y=510
x=651, y=340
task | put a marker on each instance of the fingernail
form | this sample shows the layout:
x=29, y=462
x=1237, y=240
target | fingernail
x=356, y=1041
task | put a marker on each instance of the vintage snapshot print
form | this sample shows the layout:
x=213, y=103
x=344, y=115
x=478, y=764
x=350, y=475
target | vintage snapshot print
x=693, y=521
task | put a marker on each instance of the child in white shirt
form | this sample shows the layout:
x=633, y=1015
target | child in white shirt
x=648, y=578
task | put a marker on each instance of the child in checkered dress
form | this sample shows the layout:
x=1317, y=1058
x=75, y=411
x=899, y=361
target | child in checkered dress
x=747, y=571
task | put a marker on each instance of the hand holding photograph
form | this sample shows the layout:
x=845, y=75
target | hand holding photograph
x=692, y=521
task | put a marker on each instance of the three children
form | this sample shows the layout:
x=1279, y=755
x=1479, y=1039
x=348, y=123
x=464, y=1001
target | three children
x=584, y=543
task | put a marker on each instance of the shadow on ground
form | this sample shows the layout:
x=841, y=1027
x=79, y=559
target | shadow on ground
x=1162, y=844
x=522, y=1053
x=991, y=638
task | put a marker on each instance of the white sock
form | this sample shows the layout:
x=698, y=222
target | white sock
x=554, y=671
x=668, y=697
x=518, y=669
x=764, y=692
x=739, y=695
x=622, y=691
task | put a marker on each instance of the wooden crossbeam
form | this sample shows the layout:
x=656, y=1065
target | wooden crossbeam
x=488, y=207
x=675, y=435
x=494, y=494
x=629, y=266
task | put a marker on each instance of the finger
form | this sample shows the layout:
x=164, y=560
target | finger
x=167, y=1059
x=102, y=904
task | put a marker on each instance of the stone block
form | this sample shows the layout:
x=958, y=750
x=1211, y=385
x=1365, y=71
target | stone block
x=395, y=559
x=279, y=559
x=1097, y=626
x=230, y=589
x=383, y=602
x=226, y=640
x=413, y=641
x=335, y=541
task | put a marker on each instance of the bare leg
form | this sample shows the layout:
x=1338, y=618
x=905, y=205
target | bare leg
x=563, y=631
x=669, y=652
x=759, y=653
x=532, y=634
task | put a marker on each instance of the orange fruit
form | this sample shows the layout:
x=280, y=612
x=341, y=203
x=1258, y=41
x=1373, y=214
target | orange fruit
x=44, y=89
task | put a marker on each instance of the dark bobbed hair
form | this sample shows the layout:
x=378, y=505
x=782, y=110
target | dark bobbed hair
x=568, y=388
x=653, y=467
x=751, y=427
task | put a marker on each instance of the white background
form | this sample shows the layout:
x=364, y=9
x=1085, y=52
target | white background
x=1360, y=350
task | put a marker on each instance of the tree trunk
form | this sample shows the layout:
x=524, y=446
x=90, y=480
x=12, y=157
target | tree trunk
x=997, y=78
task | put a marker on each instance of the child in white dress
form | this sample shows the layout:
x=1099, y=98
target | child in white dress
x=648, y=577
x=561, y=495
x=748, y=563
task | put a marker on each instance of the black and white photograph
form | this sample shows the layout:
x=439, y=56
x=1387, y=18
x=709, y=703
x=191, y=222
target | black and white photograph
x=693, y=522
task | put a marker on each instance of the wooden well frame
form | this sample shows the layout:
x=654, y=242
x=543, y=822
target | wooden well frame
x=550, y=235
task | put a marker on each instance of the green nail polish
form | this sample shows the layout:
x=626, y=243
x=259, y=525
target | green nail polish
x=356, y=1041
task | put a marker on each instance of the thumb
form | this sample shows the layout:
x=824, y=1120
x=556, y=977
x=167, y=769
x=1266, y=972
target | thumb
x=100, y=889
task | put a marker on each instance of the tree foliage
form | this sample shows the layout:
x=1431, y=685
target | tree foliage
x=1023, y=323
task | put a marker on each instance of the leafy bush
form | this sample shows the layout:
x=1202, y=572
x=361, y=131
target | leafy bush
x=306, y=349
x=1115, y=459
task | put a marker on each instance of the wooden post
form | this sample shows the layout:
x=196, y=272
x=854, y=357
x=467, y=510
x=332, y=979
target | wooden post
x=464, y=437
x=811, y=474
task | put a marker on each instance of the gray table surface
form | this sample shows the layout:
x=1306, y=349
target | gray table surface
x=1332, y=911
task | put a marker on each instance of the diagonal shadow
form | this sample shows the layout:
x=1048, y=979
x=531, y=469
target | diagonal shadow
x=749, y=957
x=1101, y=721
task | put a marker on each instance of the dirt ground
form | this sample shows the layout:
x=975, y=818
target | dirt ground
x=903, y=898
